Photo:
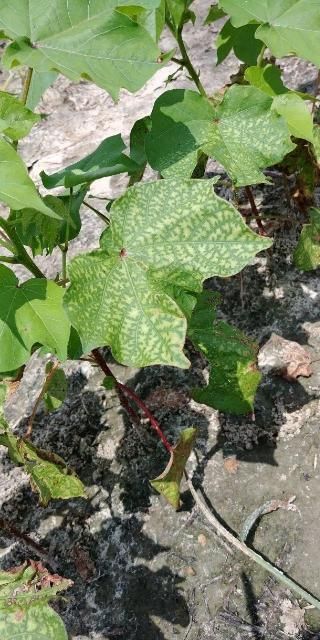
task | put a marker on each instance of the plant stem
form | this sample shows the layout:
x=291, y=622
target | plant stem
x=26, y=86
x=262, y=231
x=125, y=392
x=241, y=546
x=185, y=61
x=9, y=259
x=12, y=531
x=101, y=215
x=20, y=254
x=261, y=56
x=45, y=386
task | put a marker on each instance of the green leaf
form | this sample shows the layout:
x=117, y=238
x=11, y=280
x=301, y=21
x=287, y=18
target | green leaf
x=243, y=133
x=166, y=232
x=286, y=26
x=307, y=252
x=25, y=592
x=109, y=383
x=232, y=357
x=153, y=21
x=178, y=12
x=168, y=483
x=16, y=188
x=48, y=473
x=3, y=398
x=215, y=13
x=95, y=40
x=16, y=121
x=40, y=82
x=30, y=314
x=241, y=40
x=56, y=390
x=43, y=234
x=106, y=160
x=296, y=113
x=267, y=79
x=316, y=142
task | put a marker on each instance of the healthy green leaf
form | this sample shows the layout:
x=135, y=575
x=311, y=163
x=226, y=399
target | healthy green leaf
x=49, y=475
x=168, y=483
x=109, y=383
x=30, y=314
x=232, y=357
x=16, y=121
x=16, y=188
x=43, y=234
x=243, y=133
x=40, y=82
x=166, y=232
x=296, y=113
x=307, y=253
x=154, y=21
x=286, y=26
x=215, y=13
x=95, y=40
x=106, y=160
x=267, y=79
x=179, y=12
x=241, y=40
x=56, y=390
x=24, y=610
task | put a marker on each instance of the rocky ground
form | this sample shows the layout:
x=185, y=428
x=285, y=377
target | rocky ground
x=141, y=570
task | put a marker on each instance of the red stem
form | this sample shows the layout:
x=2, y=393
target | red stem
x=262, y=231
x=124, y=391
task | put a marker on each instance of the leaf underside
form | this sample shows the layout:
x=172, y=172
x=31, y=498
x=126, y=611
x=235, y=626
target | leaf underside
x=243, y=133
x=165, y=237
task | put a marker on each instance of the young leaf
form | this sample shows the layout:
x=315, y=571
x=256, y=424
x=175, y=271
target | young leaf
x=232, y=357
x=43, y=234
x=49, y=475
x=286, y=27
x=296, y=113
x=40, y=82
x=56, y=390
x=168, y=483
x=16, y=188
x=168, y=231
x=106, y=160
x=243, y=133
x=25, y=592
x=30, y=314
x=241, y=40
x=93, y=40
x=307, y=253
x=267, y=79
x=179, y=12
x=16, y=121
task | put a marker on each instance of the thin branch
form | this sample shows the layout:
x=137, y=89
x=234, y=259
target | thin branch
x=26, y=86
x=262, y=231
x=125, y=391
x=241, y=546
x=186, y=62
x=97, y=212
x=44, y=389
x=19, y=251
x=12, y=531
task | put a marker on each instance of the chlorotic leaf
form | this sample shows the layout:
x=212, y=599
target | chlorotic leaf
x=307, y=253
x=56, y=390
x=16, y=188
x=40, y=82
x=106, y=160
x=16, y=121
x=41, y=233
x=48, y=473
x=95, y=40
x=166, y=232
x=285, y=26
x=30, y=314
x=241, y=40
x=232, y=357
x=25, y=592
x=168, y=483
x=243, y=133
